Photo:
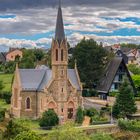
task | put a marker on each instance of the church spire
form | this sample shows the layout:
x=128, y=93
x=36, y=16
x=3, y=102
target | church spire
x=59, y=31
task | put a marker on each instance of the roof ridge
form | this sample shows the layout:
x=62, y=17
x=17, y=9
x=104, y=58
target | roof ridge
x=41, y=81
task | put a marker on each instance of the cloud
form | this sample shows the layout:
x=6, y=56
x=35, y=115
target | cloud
x=33, y=21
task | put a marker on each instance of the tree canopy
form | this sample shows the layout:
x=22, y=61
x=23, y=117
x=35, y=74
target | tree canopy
x=125, y=102
x=134, y=69
x=91, y=60
x=49, y=118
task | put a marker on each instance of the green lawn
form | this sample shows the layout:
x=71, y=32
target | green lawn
x=7, y=81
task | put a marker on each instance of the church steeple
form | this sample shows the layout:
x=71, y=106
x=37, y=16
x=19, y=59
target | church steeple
x=59, y=31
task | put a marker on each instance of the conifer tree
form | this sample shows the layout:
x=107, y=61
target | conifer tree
x=125, y=102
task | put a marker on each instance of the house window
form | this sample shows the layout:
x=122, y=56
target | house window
x=116, y=87
x=62, y=55
x=28, y=103
x=56, y=54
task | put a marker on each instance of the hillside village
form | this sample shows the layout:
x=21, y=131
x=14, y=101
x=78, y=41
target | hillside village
x=87, y=91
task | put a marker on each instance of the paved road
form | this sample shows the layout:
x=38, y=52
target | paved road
x=88, y=104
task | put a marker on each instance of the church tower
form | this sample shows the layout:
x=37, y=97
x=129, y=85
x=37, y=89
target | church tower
x=59, y=53
x=58, y=88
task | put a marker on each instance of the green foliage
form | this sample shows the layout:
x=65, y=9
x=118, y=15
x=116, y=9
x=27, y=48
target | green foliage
x=100, y=136
x=6, y=96
x=129, y=125
x=130, y=45
x=49, y=119
x=9, y=67
x=39, y=54
x=134, y=69
x=27, y=135
x=7, y=82
x=14, y=128
x=125, y=102
x=91, y=59
x=1, y=86
x=89, y=93
x=2, y=114
x=136, y=79
x=79, y=115
x=91, y=112
x=113, y=94
x=66, y=132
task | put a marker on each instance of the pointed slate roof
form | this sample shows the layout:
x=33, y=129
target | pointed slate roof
x=37, y=79
x=59, y=31
x=110, y=73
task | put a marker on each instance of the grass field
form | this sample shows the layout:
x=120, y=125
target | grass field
x=7, y=81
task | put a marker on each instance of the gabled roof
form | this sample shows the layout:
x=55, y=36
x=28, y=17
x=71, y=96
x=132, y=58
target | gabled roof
x=37, y=79
x=2, y=57
x=59, y=31
x=109, y=74
x=33, y=79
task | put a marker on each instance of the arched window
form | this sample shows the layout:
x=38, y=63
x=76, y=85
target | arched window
x=15, y=98
x=56, y=54
x=28, y=103
x=62, y=55
x=70, y=110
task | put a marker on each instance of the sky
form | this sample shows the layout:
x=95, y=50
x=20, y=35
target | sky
x=31, y=23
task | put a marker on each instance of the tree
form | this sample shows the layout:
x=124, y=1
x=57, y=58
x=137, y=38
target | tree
x=28, y=60
x=91, y=59
x=136, y=79
x=125, y=102
x=14, y=128
x=39, y=54
x=49, y=119
x=27, y=135
x=79, y=115
x=134, y=69
x=67, y=132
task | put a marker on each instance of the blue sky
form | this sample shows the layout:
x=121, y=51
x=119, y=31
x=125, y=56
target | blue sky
x=33, y=25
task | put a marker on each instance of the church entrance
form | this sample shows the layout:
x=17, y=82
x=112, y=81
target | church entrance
x=70, y=110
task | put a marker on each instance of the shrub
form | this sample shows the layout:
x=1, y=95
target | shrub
x=79, y=115
x=113, y=94
x=49, y=119
x=91, y=112
x=130, y=125
x=2, y=114
x=27, y=135
x=14, y=128
x=6, y=96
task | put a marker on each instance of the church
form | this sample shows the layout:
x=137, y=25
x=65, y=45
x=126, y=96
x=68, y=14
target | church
x=35, y=91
